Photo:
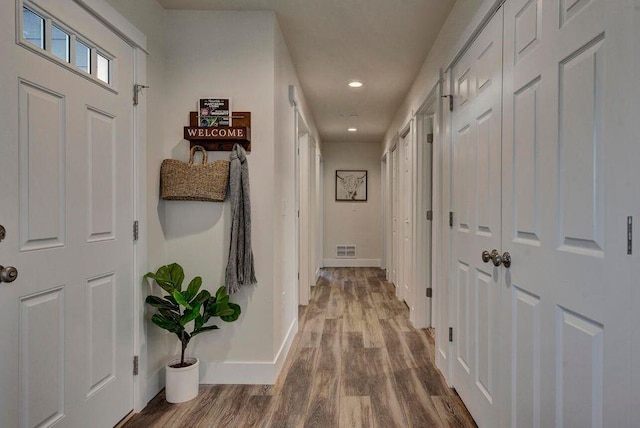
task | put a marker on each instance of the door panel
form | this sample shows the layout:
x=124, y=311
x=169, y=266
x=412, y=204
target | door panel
x=67, y=163
x=564, y=216
x=476, y=136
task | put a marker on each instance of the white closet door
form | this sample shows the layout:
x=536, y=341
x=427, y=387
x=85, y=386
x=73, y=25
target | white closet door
x=566, y=306
x=476, y=136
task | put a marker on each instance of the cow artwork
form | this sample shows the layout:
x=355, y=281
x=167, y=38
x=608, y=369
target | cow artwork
x=351, y=185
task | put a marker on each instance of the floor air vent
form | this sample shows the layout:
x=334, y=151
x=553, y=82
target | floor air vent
x=346, y=251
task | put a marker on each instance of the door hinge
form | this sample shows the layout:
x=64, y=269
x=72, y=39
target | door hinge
x=429, y=138
x=450, y=101
x=136, y=365
x=429, y=292
x=429, y=215
x=450, y=218
x=629, y=235
x=450, y=334
x=298, y=276
x=137, y=88
x=136, y=230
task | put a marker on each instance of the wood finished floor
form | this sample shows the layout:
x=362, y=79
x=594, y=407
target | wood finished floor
x=355, y=362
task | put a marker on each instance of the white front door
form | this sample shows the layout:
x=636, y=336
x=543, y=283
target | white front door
x=66, y=158
x=476, y=138
x=566, y=181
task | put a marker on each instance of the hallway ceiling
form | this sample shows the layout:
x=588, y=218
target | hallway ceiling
x=381, y=43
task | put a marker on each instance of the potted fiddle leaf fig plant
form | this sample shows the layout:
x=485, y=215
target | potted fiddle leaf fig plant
x=177, y=312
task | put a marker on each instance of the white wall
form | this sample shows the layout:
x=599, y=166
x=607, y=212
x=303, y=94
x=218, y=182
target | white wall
x=347, y=223
x=284, y=199
x=241, y=55
x=224, y=54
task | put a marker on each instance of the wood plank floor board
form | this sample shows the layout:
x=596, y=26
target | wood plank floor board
x=355, y=362
x=356, y=412
x=416, y=402
x=255, y=412
x=323, y=408
x=453, y=412
x=387, y=412
x=372, y=330
x=399, y=352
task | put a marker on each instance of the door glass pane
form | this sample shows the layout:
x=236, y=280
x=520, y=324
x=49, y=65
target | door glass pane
x=33, y=27
x=83, y=57
x=103, y=68
x=60, y=43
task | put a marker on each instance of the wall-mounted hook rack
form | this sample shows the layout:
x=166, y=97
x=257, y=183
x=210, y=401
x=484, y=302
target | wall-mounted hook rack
x=220, y=138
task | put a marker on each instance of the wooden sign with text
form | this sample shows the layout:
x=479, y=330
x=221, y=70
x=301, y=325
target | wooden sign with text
x=220, y=138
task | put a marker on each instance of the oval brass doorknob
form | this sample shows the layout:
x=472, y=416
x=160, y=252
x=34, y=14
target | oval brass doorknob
x=496, y=258
x=506, y=259
x=8, y=274
x=486, y=256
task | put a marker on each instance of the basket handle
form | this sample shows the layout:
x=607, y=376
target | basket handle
x=195, y=149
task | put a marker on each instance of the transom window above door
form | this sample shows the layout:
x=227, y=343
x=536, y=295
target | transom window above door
x=43, y=34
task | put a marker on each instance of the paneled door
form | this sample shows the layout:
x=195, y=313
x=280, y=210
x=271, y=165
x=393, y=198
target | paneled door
x=66, y=159
x=394, y=217
x=407, y=222
x=566, y=181
x=476, y=138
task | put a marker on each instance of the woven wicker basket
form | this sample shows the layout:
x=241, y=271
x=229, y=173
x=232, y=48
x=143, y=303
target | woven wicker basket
x=182, y=181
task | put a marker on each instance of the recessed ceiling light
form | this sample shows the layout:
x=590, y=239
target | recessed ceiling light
x=352, y=129
x=355, y=84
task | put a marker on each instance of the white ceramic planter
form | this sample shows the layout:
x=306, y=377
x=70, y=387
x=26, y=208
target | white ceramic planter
x=182, y=383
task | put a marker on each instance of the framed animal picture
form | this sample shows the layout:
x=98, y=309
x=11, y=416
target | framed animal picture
x=351, y=185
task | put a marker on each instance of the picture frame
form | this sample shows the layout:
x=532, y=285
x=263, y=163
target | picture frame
x=351, y=185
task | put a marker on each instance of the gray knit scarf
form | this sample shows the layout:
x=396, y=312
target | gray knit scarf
x=240, y=265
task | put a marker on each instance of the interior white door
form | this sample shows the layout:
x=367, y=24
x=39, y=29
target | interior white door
x=394, y=215
x=407, y=222
x=427, y=192
x=565, y=196
x=66, y=157
x=476, y=139
x=303, y=221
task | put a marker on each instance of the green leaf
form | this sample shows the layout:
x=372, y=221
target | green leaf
x=171, y=299
x=169, y=277
x=158, y=302
x=170, y=315
x=191, y=314
x=221, y=292
x=214, y=309
x=207, y=328
x=234, y=316
x=163, y=282
x=199, y=322
x=180, y=299
x=164, y=323
x=176, y=273
x=193, y=288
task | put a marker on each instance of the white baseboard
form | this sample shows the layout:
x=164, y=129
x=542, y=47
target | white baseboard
x=155, y=383
x=248, y=372
x=352, y=262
